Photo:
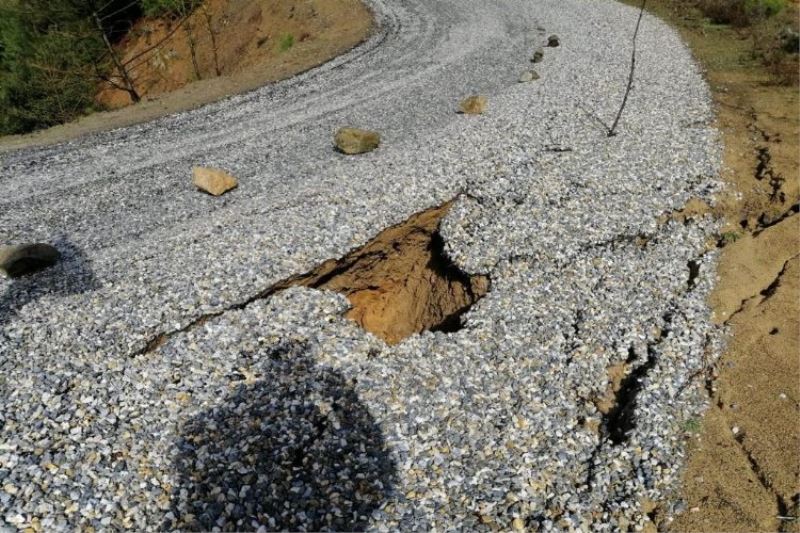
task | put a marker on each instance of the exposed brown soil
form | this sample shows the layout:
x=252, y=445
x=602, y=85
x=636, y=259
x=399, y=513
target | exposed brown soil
x=616, y=375
x=744, y=468
x=230, y=37
x=744, y=464
x=251, y=38
x=401, y=282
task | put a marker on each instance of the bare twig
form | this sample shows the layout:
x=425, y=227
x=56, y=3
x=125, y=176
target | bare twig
x=192, y=48
x=593, y=116
x=613, y=130
x=117, y=11
x=213, y=34
x=177, y=26
x=124, y=73
x=107, y=79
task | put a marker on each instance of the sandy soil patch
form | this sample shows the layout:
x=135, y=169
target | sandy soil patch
x=743, y=466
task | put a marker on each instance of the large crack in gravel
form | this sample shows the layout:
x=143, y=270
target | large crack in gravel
x=400, y=283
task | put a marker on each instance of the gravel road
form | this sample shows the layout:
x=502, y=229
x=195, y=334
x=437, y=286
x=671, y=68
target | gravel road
x=281, y=414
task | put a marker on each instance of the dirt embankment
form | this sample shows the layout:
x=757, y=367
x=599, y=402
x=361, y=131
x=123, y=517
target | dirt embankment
x=744, y=467
x=254, y=42
x=245, y=39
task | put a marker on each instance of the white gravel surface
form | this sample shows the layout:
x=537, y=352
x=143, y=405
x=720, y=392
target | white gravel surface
x=281, y=414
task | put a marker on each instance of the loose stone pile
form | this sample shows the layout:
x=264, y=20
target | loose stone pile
x=150, y=380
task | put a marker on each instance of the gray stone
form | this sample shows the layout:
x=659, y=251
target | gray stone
x=528, y=76
x=25, y=259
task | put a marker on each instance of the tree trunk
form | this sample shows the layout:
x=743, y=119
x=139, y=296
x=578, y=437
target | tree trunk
x=192, y=48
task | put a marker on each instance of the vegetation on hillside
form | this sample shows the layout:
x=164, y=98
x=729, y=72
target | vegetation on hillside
x=761, y=33
x=740, y=12
x=53, y=53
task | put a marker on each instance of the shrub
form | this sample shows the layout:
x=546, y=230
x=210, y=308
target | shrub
x=730, y=237
x=46, y=67
x=50, y=51
x=790, y=40
x=740, y=12
x=764, y=8
x=775, y=44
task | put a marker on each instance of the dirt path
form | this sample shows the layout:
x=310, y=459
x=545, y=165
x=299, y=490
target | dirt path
x=253, y=50
x=743, y=466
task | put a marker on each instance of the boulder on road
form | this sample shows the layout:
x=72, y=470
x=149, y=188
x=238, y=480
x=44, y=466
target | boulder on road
x=22, y=259
x=353, y=141
x=529, y=76
x=553, y=41
x=473, y=105
x=213, y=180
x=538, y=56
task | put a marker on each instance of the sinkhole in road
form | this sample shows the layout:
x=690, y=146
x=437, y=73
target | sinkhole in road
x=402, y=282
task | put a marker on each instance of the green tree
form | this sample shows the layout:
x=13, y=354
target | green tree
x=47, y=54
x=54, y=52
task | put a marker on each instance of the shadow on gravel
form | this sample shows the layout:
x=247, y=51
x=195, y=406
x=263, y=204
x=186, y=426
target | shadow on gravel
x=295, y=450
x=71, y=275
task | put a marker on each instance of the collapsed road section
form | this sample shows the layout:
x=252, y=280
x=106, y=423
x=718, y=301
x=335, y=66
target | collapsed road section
x=147, y=381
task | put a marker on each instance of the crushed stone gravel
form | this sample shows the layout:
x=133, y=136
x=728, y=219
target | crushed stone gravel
x=282, y=414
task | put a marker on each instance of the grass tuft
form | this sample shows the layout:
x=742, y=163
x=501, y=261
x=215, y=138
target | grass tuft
x=286, y=42
x=730, y=237
x=691, y=425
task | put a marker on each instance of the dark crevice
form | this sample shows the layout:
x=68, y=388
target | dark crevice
x=765, y=170
x=576, y=332
x=452, y=323
x=764, y=166
x=765, y=223
x=342, y=267
x=707, y=371
x=620, y=420
x=781, y=504
x=767, y=292
x=557, y=149
x=441, y=264
x=639, y=239
x=694, y=272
